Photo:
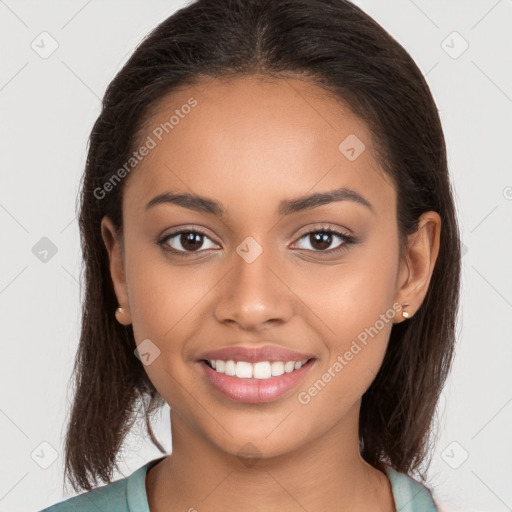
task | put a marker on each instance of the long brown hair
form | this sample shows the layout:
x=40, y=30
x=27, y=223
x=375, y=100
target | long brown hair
x=333, y=44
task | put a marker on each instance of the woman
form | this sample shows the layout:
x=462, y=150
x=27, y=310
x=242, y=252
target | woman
x=270, y=248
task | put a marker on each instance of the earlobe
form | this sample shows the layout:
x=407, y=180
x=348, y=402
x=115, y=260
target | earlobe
x=420, y=259
x=113, y=244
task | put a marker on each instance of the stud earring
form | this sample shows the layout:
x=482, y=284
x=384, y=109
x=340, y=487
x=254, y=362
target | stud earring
x=119, y=311
x=405, y=314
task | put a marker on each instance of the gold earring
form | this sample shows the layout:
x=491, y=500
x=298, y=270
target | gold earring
x=405, y=314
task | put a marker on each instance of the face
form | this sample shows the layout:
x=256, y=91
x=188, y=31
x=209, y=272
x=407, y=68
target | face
x=258, y=265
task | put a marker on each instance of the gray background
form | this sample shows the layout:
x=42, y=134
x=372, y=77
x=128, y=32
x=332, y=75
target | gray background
x=48, y=105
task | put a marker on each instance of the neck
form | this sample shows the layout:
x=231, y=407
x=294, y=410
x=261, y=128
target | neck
x=327, y=474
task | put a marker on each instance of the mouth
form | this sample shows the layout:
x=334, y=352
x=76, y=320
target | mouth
x=254, y=382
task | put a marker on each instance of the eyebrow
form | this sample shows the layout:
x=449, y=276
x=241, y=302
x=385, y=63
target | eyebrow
x=286, y=207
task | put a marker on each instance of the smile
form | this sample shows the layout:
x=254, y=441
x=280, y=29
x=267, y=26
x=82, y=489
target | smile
x=258, y=382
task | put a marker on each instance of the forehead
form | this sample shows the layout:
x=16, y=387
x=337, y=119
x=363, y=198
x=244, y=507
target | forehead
x=252, y=140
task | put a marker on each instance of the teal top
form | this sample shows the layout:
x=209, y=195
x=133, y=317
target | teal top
x=129, y=495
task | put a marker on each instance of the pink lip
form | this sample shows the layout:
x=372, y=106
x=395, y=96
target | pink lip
x=255, y=390
x=253, y=354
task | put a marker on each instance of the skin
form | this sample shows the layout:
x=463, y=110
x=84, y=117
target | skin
x=250, y=143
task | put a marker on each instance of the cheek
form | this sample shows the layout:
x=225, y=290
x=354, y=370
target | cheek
x=352, y=295
x=163, y=300
x=353, y=354
x=353, y=306
x=164, y=296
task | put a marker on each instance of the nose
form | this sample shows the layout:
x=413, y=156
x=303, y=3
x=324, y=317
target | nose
x=254, y=295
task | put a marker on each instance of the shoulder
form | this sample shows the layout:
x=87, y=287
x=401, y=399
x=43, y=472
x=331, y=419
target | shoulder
x=409, y=494
x=125, y=495
x=112, y=496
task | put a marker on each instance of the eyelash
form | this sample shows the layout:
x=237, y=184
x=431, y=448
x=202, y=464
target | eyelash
x=346, y=239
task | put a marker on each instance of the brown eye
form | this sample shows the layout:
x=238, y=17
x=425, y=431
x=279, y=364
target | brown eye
x=191, y=241
x=186, y=241
x=321, y=240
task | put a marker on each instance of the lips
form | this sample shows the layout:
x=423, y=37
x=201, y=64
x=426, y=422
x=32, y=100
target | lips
x=250, y=389
x=253, y=390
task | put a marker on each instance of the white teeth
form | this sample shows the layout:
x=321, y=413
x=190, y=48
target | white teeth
x=259, y=370
x=243, y=370
x=229, y=369
x=277, y=368
x=289, y=366
x=262, y=370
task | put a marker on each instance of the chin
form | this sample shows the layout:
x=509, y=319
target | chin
x=258, y=439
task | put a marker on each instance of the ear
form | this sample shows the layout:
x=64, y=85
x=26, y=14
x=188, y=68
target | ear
x=417, y=265
x=114, y=245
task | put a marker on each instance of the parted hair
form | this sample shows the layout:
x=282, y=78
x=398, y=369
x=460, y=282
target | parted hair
x=335, y=45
